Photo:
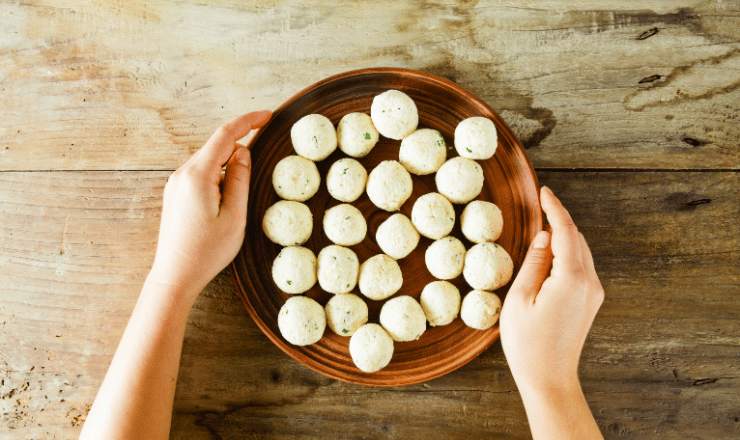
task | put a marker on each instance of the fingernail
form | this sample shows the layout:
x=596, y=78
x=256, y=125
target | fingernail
x=242, y=156
x=541, y=240
x=546, y=189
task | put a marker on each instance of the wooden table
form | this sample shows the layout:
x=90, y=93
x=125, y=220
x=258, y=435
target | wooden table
x=629, y=111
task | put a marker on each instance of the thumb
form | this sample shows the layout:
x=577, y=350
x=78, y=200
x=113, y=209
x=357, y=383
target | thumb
x=236, y=184
x=535, y=269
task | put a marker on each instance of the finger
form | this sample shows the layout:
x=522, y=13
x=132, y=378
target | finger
x=236, y=184
x=565, y=242
x=222, y=143
x=535, y=268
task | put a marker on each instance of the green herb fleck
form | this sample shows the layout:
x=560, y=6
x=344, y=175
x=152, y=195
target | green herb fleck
x=345, y=331
x=367, y=135
x=290, y=283
x=346, y=218
x=344, y=171
x=468, y=149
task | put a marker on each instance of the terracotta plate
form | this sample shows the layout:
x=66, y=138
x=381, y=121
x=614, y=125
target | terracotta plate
x=510, y=183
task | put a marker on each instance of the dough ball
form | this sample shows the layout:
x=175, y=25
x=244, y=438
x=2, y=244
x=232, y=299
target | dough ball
x=389, y=185
x=445, y=258
x=433, y=215
x=394, y=114
x=403, y=318
x=288, y=223
x=344, y=225
x=380, y=277
x=441, y=302
x=423, y=151
x=396, y=236
x=476, y=138
x=301, y=320
x=345, y=313
x=460, y=179
x=296, y=178
x=371, y=348
x=346, y=180
x=481, y=221
x=337, y=269
x=356, y=134
x=480, y=309
x=294, y=269
x=487, y=266
x=313, y=137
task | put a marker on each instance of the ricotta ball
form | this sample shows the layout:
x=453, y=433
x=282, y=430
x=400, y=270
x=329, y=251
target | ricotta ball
x=345, y=313
x=394, y=114
x=459, y=179
x=487, y=266
x=380, y=277
x=403, y=318
x=396, y=236
x=337, y=269
x=296, y=178
x=294, y=269
x=356, y=134
x=423, y=151
x=441, y=302
x=313, y=137
x=445, y=258
x=480, y=309
x=288, y=223
x=389, y=185
x=371, y=348
x=481, y=221
x=344, y=225
x=346, y=180
x=301, y=320
x=433, y=215
x=476, y=138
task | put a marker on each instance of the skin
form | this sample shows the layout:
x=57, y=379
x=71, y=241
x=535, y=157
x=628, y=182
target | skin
x=544, y=322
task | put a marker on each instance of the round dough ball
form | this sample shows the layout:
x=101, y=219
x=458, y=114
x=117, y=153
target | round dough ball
x=481, y=221
x=345, y=313
x=371, y=348
x=314, y=137
x=301, y=320
x=460, y=179
x=346, y=180
x=288, y=223
x=356, y=134
x=389, y=185
x=445, y=258
x=423, y=151
x=394, y=114
x=344, y=225
x=380, y=277
x=337, y=269
x=433, y=215
x=296, y=178
x=487, y=266
x=480, y=309
x=403, y=318
x=396, y=236
x=441, y=302
x=476, y=138
x=294, y=269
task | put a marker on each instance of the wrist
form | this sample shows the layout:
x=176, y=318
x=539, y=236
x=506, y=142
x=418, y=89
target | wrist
x=161, y=282
x=564, y=386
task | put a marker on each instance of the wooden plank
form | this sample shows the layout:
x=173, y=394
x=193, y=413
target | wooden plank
x=583, y=84
x=661, y=361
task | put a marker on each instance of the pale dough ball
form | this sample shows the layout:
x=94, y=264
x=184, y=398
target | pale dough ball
x=423, y=151
x=460, y=179
x=487, y=266
x=337, y=269
x=288, y=223
x=403, y=318
x=445, y=258
x=481, y=221
x=476, y=138
x=433, y=215
x=394, y=114
x=389, y=185
x=371, y=348
x=296, y=178
x=314, y=137
x=345, y=225
x=345, y=313
x=380, y=277
x=294, y=269
x=396, y=236
x=301, y=320
x=480, y=309
x=441, y=302
x=356, y=134
x=346, y=180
